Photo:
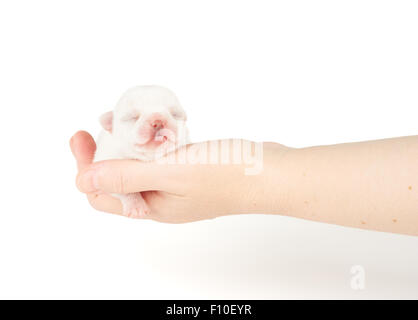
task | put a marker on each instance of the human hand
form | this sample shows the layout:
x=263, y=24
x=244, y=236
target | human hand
x=175, y=193
x=329, y=184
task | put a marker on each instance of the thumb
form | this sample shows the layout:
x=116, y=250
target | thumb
x=128, y=176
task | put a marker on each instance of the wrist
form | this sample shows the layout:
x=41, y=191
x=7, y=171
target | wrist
x=267, y=192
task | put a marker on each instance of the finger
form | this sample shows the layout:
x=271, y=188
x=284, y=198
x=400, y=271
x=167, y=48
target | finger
x=105, y=203
x=128, y=176
x=83, y=148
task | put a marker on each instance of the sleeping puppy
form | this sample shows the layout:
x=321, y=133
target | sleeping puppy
x=147, y=122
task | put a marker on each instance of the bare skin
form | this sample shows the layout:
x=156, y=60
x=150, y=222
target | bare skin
x=370, y=185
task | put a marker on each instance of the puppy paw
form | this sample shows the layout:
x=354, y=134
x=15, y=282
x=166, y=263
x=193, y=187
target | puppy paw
x=134, y=206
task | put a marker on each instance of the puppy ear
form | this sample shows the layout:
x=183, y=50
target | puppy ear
x=106, y=120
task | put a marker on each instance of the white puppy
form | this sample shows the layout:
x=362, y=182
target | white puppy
x=146, y=123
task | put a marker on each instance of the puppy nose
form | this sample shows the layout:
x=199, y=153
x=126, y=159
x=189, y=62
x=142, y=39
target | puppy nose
x=157, y=124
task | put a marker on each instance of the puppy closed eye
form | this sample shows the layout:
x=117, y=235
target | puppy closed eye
x=131, y=117
x=177, y=114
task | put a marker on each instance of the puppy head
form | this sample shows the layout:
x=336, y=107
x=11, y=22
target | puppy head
x=147, y=119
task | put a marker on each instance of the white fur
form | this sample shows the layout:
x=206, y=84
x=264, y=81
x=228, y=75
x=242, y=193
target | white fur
x=124, y=135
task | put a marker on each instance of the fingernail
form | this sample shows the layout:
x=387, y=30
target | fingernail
x=88, y=181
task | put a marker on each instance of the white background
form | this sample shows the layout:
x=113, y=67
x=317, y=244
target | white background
x=297, y=72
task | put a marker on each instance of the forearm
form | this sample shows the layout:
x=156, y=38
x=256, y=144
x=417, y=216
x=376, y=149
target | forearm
x=370, y=185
